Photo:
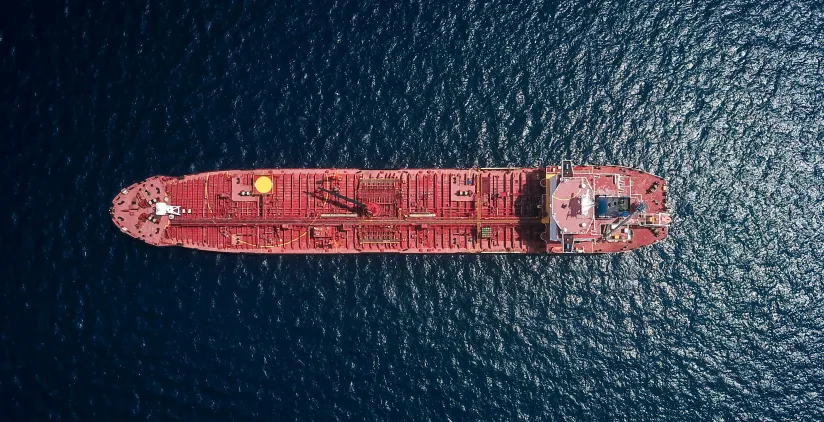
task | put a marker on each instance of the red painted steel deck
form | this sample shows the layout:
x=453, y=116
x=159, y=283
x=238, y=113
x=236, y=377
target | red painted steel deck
x=513, y=210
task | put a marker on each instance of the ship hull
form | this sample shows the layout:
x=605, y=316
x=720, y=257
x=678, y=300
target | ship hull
x=415, y=211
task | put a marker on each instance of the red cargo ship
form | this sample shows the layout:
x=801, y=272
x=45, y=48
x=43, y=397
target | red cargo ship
x=559, y=209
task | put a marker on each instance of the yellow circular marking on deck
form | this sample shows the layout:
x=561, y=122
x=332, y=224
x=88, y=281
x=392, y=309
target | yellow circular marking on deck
x=263, y=184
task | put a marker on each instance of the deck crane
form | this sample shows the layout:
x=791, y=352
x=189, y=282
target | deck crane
x=368, y=209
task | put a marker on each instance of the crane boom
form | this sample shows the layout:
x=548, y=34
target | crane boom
x=345, y=198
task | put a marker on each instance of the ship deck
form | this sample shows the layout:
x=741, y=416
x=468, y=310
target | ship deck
x=509, y=210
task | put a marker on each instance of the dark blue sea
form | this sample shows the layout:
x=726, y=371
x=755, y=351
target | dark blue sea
x=721, y=322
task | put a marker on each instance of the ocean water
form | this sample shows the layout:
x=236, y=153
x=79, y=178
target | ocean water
x=721, y=322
